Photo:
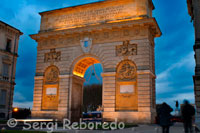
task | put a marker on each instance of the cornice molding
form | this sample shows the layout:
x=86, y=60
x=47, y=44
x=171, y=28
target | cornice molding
x=151, y=22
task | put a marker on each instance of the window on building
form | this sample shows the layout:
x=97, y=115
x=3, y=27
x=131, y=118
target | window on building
x=3, y=94
x=6, y=71
x=2, y=115
x=8, y=45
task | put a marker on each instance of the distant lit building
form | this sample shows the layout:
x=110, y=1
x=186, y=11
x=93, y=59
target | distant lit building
x=9, y=38
x=194, y=12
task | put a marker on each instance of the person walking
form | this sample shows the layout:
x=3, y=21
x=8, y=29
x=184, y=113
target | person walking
x=188, y=112
x=165, y=117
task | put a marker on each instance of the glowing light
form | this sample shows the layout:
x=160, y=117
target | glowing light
x=15, y=109
x=34, y=120
x=78, y=74
x=81, y=66
x=93, y=24
x=123, y=20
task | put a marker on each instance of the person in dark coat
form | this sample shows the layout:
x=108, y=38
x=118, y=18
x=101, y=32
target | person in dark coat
x=188, y=112
x=165, y=117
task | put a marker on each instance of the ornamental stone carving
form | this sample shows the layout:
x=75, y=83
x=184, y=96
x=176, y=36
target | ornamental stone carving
x=126, y=49
x=51, y=97
x=86, y=44
x=52, y=56
x=51, y=75
x=126, y=70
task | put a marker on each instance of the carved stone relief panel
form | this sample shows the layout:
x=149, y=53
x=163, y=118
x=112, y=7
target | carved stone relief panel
x=51, y=75
x=137, y=31
x=126, y=32
x=52, y=41
x=96, y=36
x=116, y=33
x=106, y=35
x=61, y=40
x=126, y=49
x=126, y=71
x=52, y=56
x=51, y=89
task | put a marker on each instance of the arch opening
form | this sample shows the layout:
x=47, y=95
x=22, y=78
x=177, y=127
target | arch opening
x=92, y=89
x=87, y=85
x=82, y=65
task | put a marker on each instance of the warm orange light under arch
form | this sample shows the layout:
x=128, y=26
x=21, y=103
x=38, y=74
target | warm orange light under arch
x=81, y=66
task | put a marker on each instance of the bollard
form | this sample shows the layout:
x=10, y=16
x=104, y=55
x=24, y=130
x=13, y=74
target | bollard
x=133, y=129
x=157, y=130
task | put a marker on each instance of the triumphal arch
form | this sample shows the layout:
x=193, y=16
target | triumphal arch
x=119, y=34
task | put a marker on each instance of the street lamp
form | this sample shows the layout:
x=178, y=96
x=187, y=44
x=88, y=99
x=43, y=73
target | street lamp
x=16, y=109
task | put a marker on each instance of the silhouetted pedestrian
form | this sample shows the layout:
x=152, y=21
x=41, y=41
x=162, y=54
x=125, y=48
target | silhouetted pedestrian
x=188, y=112
x=165, y=117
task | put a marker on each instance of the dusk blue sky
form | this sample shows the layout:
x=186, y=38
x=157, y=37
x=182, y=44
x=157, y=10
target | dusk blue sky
x=173, y=50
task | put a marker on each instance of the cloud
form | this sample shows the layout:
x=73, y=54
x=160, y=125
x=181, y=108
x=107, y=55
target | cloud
x=165, y=80
x=27, y=19
x=187, y=61
x=25, y=104
x=19, y=97
x=163, y=87
x=180, y=97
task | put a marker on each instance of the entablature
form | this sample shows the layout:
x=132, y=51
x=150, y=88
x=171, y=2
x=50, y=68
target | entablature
x=137, y=29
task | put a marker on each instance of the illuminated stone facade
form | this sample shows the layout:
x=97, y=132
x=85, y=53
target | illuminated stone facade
x=119, y=34
x=9, y=39
x=194, y=12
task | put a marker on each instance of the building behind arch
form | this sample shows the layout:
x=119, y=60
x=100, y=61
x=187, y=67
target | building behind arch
x=9, y=40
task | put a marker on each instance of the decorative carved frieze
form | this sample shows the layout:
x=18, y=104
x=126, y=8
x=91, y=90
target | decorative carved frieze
x=51, y=75
x=126, y=32
x=126, y=70
x=106, y=35
x=52, y=56
x=126, y=49
x=97, y=37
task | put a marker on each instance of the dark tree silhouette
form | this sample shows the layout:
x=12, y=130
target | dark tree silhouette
x=22, y=113
x=92, y=97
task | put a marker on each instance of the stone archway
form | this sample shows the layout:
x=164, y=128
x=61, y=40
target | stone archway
x=121, y=38
x=79, y=67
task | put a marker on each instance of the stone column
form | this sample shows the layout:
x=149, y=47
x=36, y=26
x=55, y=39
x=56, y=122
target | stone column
x=108, y=95
x=37, y=97
x=76, y=98
x=146, y=97
x=63, y=97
